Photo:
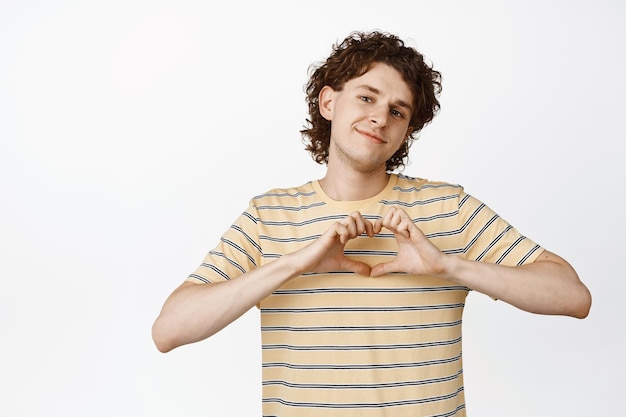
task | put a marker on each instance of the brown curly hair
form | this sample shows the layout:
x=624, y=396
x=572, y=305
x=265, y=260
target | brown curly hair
x=352, y=58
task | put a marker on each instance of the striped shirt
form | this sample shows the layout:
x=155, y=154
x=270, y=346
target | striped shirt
x=342, y=344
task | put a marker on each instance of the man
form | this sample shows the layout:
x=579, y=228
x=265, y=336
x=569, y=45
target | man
x=361, y=276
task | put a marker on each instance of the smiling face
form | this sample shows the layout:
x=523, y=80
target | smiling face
x=369, y=119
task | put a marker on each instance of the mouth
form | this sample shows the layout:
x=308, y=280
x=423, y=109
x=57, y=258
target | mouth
x=371, y=136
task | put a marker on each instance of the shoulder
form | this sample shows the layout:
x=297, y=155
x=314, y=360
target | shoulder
x=286, y=195
x=425, y=187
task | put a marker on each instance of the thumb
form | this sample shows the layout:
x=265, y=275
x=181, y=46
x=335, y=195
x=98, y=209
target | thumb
x=382, y=269
x=356, y=267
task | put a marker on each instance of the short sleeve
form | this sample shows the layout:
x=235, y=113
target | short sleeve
x=487, y=237
x=237, y=252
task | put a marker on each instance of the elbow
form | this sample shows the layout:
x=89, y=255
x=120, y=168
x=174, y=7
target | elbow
x=161, y=337
x=583, y=305
x=575, y=303
x=162, y=346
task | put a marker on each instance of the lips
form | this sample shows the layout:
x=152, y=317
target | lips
x=371, y=136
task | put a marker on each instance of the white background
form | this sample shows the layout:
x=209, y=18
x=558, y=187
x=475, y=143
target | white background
x=133, y=132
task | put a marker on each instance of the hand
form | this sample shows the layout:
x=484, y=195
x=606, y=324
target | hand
x=327, y=252
x=416, y=254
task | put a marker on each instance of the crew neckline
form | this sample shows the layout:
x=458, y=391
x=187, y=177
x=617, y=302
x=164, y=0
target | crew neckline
x=355, y=204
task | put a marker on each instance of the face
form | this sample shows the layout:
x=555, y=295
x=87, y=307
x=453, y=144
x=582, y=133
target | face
x=369, y=118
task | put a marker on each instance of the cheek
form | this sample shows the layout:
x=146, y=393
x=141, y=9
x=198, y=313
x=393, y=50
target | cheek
x=402, y=133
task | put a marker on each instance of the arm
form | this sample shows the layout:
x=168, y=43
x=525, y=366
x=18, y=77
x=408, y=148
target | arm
x=194, y=312
x=547, y=286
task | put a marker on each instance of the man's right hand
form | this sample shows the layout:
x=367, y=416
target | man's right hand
x=326, y=254
x=194, y=312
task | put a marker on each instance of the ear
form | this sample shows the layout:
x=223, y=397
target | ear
x=409, y=130
x=326, y=101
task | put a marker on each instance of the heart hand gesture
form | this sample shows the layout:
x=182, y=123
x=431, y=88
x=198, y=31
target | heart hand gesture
x=416, y=254
x=327, y=252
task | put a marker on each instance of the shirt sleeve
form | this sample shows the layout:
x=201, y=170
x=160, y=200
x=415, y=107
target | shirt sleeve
x=237, y=252
x=487, y=237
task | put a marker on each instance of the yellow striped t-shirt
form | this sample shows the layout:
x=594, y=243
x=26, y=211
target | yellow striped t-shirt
x=341, y=344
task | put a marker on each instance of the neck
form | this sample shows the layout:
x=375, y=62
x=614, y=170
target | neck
x=353, y=186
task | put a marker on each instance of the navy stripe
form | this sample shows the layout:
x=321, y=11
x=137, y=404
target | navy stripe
x=291, y=208
x=364, y=386
x=335, y=217
x=419, y=202
x=510, y=248
x=361, y=328
x=462, y=228
x=436, y=216
x=368, y=290
x=296, y=194
x=367, y=366
x=248, y=238
x=311, y=237
x=216, y=270
x=362, y=347
x=365, y=405
x=367, y=252
x=533, y=250
x=254, y=220
x=203, y=279
x=464, y=200
x=362, y=309
x=230, y=261
x=288, y=239
x=425, y=186
x=239, y=248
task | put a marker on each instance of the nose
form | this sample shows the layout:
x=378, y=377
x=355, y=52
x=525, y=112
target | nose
x=379, y=116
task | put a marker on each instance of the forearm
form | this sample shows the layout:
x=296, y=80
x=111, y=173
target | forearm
x=194, y=312
x=547, y=286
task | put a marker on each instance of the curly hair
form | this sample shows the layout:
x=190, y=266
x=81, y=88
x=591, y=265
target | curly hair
x=352, y=58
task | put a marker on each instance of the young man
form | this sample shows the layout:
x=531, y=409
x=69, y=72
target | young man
x=361, y=276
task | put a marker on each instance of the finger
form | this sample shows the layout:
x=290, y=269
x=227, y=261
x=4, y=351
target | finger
x=382, y=269
x=343, y=232
x=393, y=217
x=348, y=230
x=356, y=267
x=404, y=228
x=402, y=218
x=362, y=225
x=358, y=221
x=356, y=225
x=378, y=226
x=397, y=220
x=345, y=229
x=384, y=221
x=369, y=228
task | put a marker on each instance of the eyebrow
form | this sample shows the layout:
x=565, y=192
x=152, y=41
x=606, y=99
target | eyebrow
x=399, y=103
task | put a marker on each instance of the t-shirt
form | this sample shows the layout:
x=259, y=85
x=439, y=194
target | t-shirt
x=342, y=344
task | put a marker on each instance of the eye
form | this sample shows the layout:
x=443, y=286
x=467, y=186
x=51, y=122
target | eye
x=365, y=99
x=396, y=113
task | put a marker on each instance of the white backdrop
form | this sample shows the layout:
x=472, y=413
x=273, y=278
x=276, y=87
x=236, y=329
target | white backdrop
x=133, y=132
